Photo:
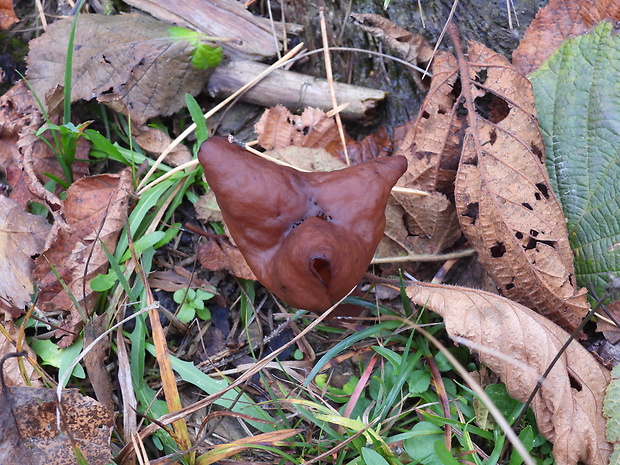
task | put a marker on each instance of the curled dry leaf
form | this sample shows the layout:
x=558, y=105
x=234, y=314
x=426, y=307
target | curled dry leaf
x=308, y=237
x=504, y=199
x=557, y=21
x=22, y=236
x=569, y=405
x=96, y=210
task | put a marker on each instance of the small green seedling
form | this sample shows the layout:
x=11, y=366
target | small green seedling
x=192, y=303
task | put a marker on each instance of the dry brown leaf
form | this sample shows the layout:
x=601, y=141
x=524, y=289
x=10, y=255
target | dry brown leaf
x=279, y=128
x=433, y=143
x=422, y=225
x=22, y=236
x=504, y=198
x=431, y=222
x=7, y=14
x=569, y=405
x=90, y=202
x=156, y=141
x=207, y=208
x=30, y=434
x=222, y=255
x=556, y=22
x=126, y=61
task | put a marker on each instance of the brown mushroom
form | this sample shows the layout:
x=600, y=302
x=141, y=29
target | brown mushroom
x=308, y=237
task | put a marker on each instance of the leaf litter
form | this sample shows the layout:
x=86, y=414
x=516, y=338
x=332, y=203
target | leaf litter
x=555, y=269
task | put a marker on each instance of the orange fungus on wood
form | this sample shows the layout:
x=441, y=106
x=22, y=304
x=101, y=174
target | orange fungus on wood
x=308, y=237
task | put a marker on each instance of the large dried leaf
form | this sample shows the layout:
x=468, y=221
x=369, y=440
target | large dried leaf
x=96, y=210
x=504, y=198
x=556, y=22
x=29, y=433
x=132, y=62
x=22, y=236
x=569, y=405
x=578, y=100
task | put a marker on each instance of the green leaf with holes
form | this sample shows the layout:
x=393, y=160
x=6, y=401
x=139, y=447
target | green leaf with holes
x=577, y=95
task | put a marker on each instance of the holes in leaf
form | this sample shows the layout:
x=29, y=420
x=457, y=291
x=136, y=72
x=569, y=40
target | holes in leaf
x=498, y=250
x=457, y=88
x=420, y=154
x=441, y=111
x=491, y=107
x=533, y=233
x=509, y=286
x=493, y=137
x=473, y=209
x=574, y=383
x=471, y=161
x=425, y=114
x=481, y=76
x=527, y=205
x=543, y=190
x=533, y=242
x=519, y=235
x=320, y=267
x=538, y=152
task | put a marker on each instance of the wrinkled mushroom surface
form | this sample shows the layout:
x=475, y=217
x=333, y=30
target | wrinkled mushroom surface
x=308, y=237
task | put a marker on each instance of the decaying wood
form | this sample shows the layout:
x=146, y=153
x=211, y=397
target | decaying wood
x=293, y=90
x=252, y=37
